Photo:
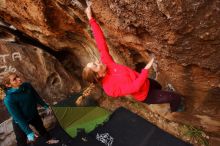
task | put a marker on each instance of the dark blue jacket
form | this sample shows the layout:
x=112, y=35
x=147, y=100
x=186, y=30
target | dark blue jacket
x=22, y=105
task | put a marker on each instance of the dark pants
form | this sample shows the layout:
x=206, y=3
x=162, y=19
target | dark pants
x=157, y=96
x=21, y=137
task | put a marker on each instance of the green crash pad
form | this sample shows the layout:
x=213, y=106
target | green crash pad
x=73, y=118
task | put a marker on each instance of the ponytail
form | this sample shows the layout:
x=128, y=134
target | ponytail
x=85, y=93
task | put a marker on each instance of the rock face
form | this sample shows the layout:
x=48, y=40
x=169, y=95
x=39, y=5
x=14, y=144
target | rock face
x=7, y=135
x=35, y=65
x=183, y=35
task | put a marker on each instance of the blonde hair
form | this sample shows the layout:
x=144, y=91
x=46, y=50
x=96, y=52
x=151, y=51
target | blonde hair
x=89, y=75
x=2, y=93
x=85, y=93
x=4, y=82
x=6, y=79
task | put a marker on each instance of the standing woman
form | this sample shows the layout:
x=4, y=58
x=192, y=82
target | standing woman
x=119, y=80
x=21, y=101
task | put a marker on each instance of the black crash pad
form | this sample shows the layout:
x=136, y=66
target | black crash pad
x=124, y=128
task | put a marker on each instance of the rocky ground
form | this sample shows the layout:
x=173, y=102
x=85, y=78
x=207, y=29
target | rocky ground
x=185, y=132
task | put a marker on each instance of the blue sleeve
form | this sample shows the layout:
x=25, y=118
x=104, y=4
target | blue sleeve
x=39, y=100
x=17, y=116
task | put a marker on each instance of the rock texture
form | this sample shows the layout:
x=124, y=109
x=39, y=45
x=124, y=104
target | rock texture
x=35, y=65
x=7, y=136
x=184, y=36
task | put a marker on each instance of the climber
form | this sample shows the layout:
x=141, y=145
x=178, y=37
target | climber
x=21, y=101
x=118, y=80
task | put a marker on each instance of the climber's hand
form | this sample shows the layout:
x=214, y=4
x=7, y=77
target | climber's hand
x=88, y=10
x=149, y=63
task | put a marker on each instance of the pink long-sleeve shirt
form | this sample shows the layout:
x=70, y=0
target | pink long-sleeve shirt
x=119, y=80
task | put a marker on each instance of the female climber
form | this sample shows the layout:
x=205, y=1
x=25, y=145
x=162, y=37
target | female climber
x=119, y=80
